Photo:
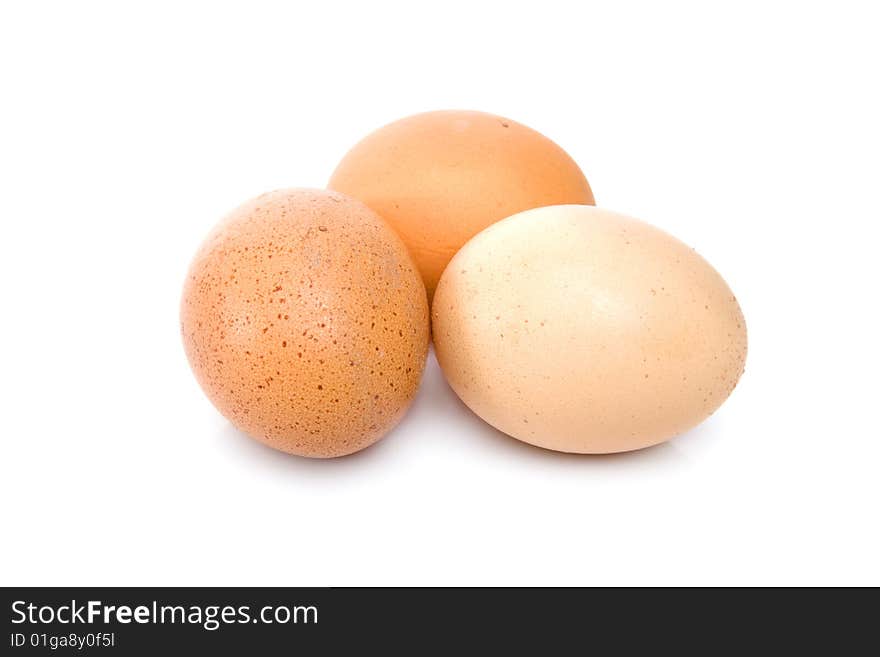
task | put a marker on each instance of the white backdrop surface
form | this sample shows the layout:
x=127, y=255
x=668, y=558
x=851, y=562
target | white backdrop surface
x=126, y=131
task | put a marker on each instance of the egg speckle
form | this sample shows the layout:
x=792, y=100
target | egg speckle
x=582, y=330
x=306, y=323
x=439, y=178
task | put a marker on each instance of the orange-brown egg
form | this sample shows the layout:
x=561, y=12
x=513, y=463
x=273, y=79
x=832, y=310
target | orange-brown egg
x=439, y=178
x=306, y=323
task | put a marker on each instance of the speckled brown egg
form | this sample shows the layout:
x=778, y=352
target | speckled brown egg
x=306, y=322
x=581, y=330
x=439, y=178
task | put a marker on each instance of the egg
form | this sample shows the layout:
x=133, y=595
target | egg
x=439, y=178
x=580, y=330
x=306, y=323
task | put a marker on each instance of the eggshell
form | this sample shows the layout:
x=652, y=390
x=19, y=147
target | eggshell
x=306, y=322
x=439, y=178
x=581, y=330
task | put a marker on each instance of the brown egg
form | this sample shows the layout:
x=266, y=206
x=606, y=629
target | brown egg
x=439, y=178
x=306, y=322
x=581, y=330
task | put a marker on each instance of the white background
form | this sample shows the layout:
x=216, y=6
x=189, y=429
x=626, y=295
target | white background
x=749, y=130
